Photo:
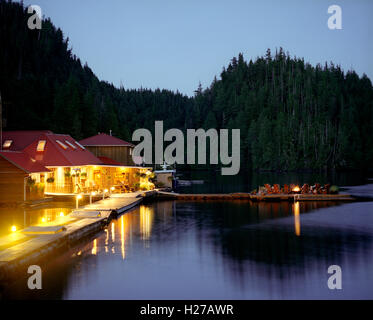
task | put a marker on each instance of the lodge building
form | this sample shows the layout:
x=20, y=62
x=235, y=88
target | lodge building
x=38, y=163
x=106, y=146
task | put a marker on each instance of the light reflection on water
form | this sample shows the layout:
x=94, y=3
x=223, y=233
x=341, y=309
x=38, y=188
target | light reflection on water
x=218, y=250
x=24, y=217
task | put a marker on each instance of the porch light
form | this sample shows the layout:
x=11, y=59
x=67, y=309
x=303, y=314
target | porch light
x=78, y=197
x=13, y=228
x=93, y=193
x=103, y=194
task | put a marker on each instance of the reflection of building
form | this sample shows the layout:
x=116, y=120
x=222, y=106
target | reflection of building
x=146, y=221
x=34, y=163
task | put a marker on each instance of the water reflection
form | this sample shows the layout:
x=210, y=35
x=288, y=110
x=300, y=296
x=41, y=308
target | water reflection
x=94, y=249
x=296, y=218
x=218, y=250
x=146, y=222
x=51, y=213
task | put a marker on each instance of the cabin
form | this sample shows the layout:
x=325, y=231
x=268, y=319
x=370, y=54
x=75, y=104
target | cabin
x=15, y=170
x=107, y=146
x=46, y=163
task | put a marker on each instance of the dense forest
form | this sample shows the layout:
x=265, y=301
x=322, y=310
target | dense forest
x=292, y=115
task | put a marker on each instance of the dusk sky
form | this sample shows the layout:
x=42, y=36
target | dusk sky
x=177, y=44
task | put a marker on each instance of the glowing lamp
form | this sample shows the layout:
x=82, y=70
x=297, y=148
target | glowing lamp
x=13, y=228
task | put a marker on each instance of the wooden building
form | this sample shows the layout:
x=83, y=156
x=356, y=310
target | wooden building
x=38, y=163
x=15, y=170
x=108, y=146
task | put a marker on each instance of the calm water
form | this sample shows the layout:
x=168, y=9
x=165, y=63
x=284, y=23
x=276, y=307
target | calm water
x=218, y=250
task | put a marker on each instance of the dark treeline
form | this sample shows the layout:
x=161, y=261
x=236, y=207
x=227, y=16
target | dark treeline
x=45, y=86
x=291, y=115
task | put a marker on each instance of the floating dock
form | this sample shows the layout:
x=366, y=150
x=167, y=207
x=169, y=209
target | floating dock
x=36, y=243
x=255, y=197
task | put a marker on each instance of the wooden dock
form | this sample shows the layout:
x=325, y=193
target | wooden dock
x=256, y=197
x=36, y=243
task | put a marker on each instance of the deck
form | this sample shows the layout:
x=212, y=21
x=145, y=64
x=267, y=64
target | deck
x=256, y=197
x=34, y=243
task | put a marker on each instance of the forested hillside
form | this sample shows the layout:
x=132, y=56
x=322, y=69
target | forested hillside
x=44, y=85
x=291, y=115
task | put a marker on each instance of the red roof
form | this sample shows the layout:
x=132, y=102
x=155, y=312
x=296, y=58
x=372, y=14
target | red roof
x=23, y=161
x=56, y=155
x=109, y=161
x=21, y=139
x=103, y=139
x=67, y=152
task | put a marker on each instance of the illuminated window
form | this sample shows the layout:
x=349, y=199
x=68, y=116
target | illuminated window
x=41, y=145
x=62, y=145
x=7, y=143
x=78, y=144
x=70, y=144
x=130, y=151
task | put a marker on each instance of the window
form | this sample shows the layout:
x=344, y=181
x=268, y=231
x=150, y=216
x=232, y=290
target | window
x=41, y=145
x=78, y=144
x=70, y=144
x=62, y=145
x=130, y=151
x=7, y=143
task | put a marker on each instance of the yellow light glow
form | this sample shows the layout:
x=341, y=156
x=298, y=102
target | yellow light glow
x=146, y=222
x=94, y=249
x=296, y=189
x=7, y=143
x=41, y=145
x=113, y=232
x=297, y=218
x=13, y=228
x=122, y=237
x=42, y=219
x=60, y=176
x=112, y=188
x=93, y=193
x=62, y=214
x=106, y=190
x=79, y=196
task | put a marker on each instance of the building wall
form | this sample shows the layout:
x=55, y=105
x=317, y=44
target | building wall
x=121, y=154
x=11, y=182
x=165, y=179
